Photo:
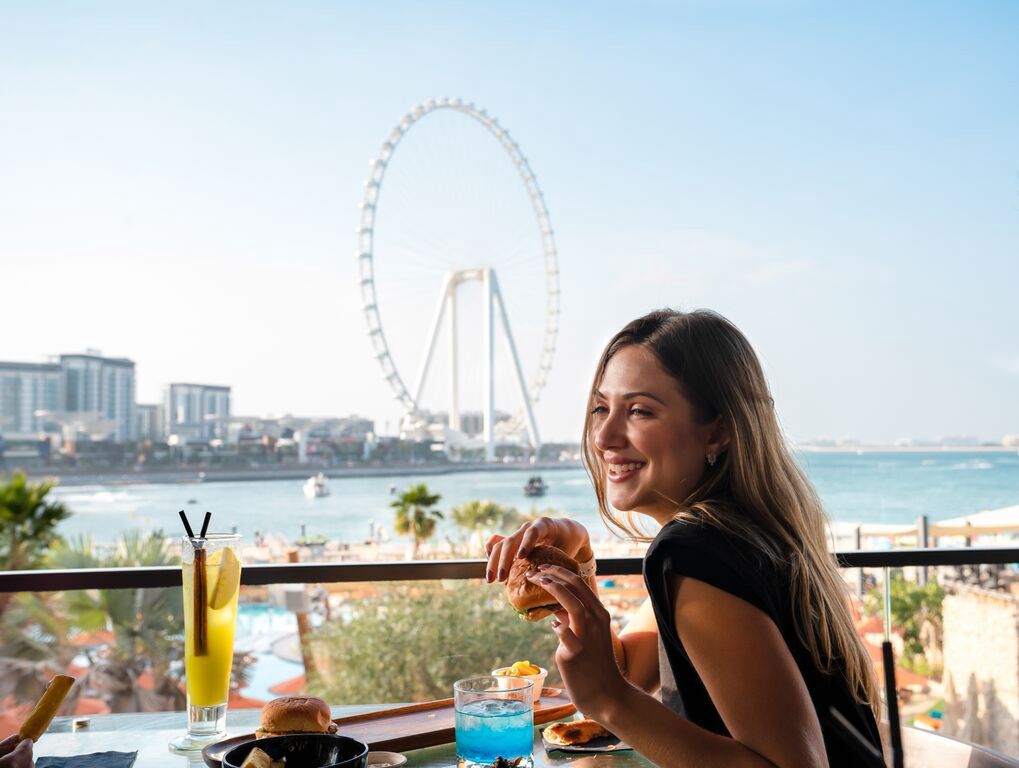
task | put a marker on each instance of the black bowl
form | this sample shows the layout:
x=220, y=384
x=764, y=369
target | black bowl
x=305, y=750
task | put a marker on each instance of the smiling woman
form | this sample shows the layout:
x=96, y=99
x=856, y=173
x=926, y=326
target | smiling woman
x=747, y=631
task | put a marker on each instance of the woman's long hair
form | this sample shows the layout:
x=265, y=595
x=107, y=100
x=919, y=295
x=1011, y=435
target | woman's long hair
x=756, y=490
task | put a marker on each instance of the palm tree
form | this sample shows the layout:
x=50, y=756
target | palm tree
x=415, y=514
x=478, y=517
x=28, y=525
x=146, y=623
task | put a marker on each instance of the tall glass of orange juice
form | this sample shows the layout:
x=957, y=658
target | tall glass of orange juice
x=212, y=576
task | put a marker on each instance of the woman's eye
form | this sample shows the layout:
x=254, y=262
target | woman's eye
x=639, y=412
x=599, y=409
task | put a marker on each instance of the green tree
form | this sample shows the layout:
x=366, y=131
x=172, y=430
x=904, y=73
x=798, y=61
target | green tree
x=146, y=623
x=28, y=523
x=912, y=606
x=416, y=514
x=413, y=641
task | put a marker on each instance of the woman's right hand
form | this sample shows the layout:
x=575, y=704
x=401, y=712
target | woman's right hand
x=568, y=535
x=16, y=753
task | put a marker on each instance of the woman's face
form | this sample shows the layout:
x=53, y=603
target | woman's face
x=645, y=434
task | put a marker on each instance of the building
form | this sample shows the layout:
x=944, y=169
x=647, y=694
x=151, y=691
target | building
x=25, y=389
x=151, y=421
x=102, y=388
x=196, y=412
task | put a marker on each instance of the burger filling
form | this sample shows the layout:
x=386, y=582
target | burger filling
x=553, y=607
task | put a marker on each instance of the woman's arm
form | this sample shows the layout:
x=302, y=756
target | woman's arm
x=636, y=647
x=739, y=654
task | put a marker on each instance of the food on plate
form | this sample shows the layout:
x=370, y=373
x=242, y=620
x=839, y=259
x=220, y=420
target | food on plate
x=258, y=759
x=574, y=732
x=520, y=669
x=529, y=600
x=295, y=714
x=38, y=721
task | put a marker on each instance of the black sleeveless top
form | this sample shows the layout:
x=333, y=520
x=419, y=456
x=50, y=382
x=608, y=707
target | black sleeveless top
x=729, y=563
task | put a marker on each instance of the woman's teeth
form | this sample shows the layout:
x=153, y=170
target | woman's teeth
x=618, y=469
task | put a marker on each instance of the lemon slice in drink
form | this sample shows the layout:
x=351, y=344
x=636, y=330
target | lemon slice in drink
x=227, y=580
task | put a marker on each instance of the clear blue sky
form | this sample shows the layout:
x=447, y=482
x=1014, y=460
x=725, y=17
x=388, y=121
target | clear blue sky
x=179, y=185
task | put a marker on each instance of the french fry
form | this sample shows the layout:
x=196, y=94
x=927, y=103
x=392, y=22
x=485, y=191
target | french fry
x=38, y=721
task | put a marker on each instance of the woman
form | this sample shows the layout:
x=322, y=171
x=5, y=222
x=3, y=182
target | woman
x=746, y=603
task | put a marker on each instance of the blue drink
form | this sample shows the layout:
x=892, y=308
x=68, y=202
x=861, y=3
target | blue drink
x=493, y=728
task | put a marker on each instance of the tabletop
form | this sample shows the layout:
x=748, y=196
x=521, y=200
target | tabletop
x=149, y=733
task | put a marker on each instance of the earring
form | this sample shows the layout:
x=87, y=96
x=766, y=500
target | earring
x=711, y=459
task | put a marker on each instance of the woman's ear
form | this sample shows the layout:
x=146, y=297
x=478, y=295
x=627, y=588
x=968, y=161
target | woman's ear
x=718, y=437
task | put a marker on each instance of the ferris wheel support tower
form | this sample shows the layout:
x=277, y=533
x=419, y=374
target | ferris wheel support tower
x=492, y=301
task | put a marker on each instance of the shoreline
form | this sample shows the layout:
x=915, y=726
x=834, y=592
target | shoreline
x=197, y=475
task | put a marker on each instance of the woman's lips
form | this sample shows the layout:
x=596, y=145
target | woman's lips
x=619, y=473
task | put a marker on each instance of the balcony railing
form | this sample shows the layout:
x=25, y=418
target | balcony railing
x=423, y=570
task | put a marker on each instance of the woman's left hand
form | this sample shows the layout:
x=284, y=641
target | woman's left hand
x=584, y=656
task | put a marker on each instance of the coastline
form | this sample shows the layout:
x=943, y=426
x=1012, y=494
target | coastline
x=196, y=475
x=199, y=474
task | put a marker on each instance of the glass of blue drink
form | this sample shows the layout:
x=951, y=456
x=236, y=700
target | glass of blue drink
x=494, y=718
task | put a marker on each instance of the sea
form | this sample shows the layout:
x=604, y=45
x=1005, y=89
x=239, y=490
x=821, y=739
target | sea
x=861, y=487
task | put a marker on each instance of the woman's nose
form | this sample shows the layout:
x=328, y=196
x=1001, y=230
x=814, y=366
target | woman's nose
x=609, y=433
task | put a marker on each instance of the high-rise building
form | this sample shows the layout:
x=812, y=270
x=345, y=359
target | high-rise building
x=196, y=412
x=151, y=421
x=25, y=389
x=102, y=387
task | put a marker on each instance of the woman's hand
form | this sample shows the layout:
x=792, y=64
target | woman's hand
x=569, y=536
x=585, y=654
x=15, y=753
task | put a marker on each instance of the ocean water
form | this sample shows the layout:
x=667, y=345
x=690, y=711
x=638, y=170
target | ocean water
x=871, y=487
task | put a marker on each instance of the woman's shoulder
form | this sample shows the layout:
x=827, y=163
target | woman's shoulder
x=686, y=543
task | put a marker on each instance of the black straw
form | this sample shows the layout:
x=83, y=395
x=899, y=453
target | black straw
x=187, y=525
x=205, y=525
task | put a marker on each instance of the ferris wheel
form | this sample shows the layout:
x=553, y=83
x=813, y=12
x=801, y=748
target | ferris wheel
x=461, y=211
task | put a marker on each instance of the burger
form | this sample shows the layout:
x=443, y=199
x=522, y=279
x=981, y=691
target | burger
x=529, y=600
x=295, y=714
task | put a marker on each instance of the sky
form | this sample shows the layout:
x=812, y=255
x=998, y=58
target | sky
x=179, y=184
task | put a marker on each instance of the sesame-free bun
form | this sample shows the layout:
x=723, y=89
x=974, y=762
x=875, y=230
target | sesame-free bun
x=529, y=600
x=295, y=714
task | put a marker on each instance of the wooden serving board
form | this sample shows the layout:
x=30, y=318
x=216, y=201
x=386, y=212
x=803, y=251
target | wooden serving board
x=414, y=726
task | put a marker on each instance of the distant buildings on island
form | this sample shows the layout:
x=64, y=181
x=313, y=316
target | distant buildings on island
x=79, y=411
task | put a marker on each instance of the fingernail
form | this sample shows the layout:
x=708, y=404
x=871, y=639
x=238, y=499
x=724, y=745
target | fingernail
x=488, y=576
x=542, y=567
x=544, y=580
x=502, y=574
x=522, y=552
x=531, y=573
x=556, y=623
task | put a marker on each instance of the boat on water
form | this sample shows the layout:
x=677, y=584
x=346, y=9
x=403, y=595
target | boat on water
x=316, y=487
x=535, y=486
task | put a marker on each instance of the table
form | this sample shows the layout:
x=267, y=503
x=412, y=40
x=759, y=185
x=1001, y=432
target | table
x=149, y=733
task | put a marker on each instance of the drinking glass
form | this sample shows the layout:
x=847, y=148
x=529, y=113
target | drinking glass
x=212, y=577
x=494, y=718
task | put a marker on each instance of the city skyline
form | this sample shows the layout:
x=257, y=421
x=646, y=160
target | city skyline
x=180, y=187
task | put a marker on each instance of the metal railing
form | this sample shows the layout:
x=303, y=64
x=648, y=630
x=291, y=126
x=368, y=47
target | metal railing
x=424, y=570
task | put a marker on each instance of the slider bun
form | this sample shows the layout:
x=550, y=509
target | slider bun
x=524, y=595
x=574, y=732
x=296, y=714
